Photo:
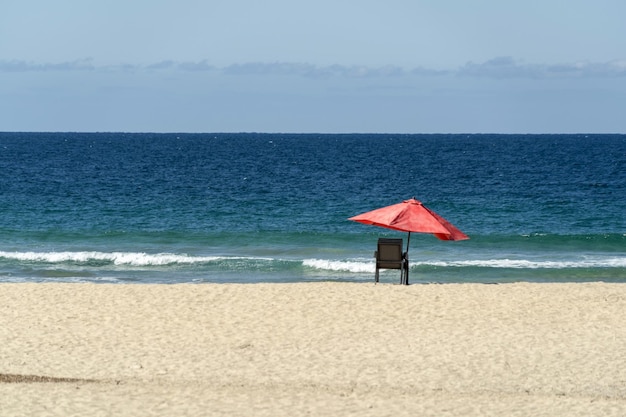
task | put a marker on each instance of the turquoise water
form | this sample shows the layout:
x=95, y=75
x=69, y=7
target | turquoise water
x=166, y=208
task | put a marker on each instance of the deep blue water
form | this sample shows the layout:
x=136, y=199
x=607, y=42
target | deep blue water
x=119, y=207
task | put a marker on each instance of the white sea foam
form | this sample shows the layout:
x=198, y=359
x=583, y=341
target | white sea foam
x=528, y=264
x=138, y=259
x=370, y=266
x=340, y=266
x=117, y=258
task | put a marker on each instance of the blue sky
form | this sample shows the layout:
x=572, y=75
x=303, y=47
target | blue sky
x=407, y=66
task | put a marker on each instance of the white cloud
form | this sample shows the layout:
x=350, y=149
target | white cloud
x=507, y=67
x=497, y=68
x=24, y=66
x=196, y=66
x=162, y=65
x=312, y=71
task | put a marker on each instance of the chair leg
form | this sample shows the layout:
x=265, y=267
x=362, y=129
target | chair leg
x=376, y=276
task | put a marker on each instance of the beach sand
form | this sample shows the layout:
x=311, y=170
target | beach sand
x=313, y=349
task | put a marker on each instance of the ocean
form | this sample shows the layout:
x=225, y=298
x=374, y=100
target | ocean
x=259, y=207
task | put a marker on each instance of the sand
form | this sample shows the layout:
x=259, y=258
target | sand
x=313, y=349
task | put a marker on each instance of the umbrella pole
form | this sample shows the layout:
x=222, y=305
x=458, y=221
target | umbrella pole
x=406, y=264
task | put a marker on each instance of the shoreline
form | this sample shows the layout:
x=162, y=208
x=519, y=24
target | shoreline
x=312, y=348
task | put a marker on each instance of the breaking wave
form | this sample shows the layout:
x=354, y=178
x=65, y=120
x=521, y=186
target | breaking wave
x=115, y=258
x=369, y=266
x=355, y=265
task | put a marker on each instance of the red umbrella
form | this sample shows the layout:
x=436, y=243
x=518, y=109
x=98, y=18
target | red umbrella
x=411, y=216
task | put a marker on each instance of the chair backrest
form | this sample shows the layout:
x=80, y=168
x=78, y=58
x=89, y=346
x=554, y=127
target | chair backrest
x=389, y=254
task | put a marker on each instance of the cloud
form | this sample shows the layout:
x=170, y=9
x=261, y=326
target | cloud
x=428, y=72
x=501, y=67
x=590, y=69
x=507, y=67
x=196, y=66
x=162, y=65
x=23, y=66
x=248, y=68
x=181, y=66
x=312, y=71
x=264, y=68
x=497, y=68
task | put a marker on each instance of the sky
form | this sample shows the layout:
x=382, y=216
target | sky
x=323, y=66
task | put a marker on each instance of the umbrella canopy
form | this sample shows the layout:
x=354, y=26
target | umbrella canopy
x=411, y=216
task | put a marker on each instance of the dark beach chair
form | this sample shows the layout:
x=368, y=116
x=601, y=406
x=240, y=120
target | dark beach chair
x=390, y=256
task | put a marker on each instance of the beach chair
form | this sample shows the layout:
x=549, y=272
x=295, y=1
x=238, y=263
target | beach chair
x=390, y=256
